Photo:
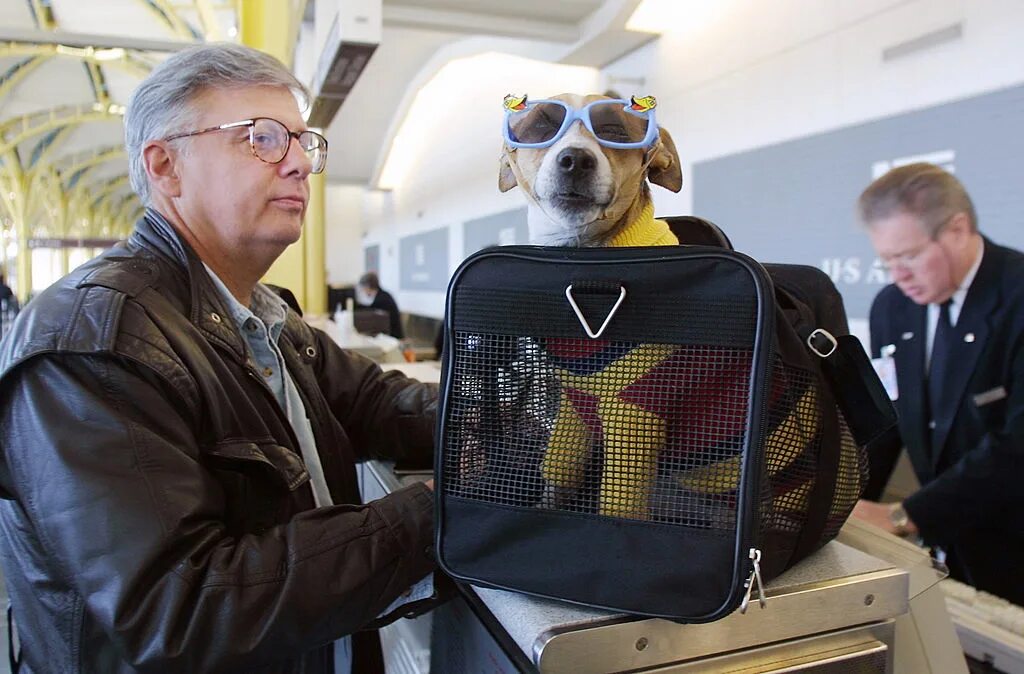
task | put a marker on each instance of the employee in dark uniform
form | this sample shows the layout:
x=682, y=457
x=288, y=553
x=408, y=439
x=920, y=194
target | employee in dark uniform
x=369, y=294
x=953, y=324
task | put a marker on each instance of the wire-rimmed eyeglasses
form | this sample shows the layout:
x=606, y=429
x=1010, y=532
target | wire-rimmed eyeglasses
x=270, y=140
x=915, y=258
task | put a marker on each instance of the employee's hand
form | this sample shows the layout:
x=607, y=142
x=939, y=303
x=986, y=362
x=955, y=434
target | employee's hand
x=430, y=484
x=878, y=514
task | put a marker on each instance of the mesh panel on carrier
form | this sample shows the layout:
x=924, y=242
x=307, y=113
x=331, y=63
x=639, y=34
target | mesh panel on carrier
x=684, y=433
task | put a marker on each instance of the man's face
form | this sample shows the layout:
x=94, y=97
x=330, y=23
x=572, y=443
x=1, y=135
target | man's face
x=922, y=266
x=364, y=294
x=230, y=199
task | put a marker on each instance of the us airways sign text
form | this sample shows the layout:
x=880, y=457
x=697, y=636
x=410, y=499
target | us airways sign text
x=856, y=270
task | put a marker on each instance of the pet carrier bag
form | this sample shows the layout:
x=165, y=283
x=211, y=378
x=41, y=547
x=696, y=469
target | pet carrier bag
x=647, y=430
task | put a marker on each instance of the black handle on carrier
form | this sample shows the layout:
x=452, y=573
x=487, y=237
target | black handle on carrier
x=602, y=287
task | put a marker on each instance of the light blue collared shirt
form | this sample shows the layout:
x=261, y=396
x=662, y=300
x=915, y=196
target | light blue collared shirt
x=260, y=325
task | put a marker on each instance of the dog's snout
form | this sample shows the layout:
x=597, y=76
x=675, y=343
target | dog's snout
x=576, y=160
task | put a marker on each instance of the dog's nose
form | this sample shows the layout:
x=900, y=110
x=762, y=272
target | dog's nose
x=575, y=160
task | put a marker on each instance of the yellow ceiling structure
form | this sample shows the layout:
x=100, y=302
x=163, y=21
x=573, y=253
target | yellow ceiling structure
x=67, y=68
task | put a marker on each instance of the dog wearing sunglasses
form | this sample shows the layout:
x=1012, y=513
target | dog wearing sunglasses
x=587, y=178
x=584, y=163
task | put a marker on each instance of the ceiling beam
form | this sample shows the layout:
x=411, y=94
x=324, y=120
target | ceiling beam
x=43, y=14
x=15, y=131
x=208, y=20
x=132, y=62
x=604, y=37
x=477, y=23
x=170, y=18
x=29, y=36
x=108, y=190
x=9, y=82
x=85, y=161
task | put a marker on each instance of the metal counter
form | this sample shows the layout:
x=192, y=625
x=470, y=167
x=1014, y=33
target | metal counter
x=838, y=606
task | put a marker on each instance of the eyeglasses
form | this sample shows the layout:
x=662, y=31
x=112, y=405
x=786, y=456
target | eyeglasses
x=915, y=258
x=910, y=260
x=270, y=140
x=615, y=123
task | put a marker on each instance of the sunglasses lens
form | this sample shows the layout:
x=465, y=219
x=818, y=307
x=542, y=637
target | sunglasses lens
x=537, y=124
x=613, y=123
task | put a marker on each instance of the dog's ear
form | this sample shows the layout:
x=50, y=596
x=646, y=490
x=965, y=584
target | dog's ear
x=665, y=169
x=506, y=177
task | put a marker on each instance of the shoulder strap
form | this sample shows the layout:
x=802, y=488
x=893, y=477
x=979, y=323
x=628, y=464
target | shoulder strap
x=859, y=393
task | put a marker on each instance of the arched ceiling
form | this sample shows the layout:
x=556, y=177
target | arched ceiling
x=67, y=68
x=415, y=32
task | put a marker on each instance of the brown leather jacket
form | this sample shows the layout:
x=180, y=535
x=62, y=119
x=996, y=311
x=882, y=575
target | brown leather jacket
x=158, y=515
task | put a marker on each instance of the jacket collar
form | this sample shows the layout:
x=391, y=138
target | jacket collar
x=202, y=303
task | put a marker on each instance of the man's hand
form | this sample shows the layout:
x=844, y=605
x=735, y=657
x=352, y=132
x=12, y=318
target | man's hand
x=430, y=484
x=879, y=514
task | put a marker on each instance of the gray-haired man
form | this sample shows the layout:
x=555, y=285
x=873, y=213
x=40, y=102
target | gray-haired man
x=177, y=448
x=952, y=328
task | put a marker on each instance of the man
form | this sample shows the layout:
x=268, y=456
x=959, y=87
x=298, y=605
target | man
x=369, y=294
x=953, y=322
x=8, y=304
x=177, y=448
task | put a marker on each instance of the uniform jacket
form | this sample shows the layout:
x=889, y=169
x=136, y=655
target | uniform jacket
x=158, y=515
x=972, y=474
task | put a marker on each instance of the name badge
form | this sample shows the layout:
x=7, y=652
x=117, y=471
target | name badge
x=990, y=396
x=885, y=368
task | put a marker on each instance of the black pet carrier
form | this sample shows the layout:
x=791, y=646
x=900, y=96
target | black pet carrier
x=646, y=429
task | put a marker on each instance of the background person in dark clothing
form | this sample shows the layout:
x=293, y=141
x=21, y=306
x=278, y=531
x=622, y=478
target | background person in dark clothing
x=952, y=324
x=370, y=295
x=8, y=305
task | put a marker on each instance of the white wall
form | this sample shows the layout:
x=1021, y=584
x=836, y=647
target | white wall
x=763, y=73
x=343, y=225
x=453, y=176
x=753, y=74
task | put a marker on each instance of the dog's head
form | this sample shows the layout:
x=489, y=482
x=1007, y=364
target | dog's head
x=583, y=191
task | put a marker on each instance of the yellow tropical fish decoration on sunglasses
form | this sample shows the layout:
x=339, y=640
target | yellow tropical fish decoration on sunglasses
x=515, y=103
x=642, y=104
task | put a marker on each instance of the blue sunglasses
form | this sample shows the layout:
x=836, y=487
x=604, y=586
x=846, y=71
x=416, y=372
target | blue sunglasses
x=614, y=123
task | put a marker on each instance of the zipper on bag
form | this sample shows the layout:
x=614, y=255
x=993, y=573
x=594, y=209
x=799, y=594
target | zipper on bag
x=754, y=578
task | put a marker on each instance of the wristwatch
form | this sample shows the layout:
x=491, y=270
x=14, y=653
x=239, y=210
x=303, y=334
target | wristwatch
x=898, y=518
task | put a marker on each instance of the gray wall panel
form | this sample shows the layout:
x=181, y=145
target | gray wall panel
x=794, y=201
x=501, y=229
x=423, y=260
x=371, y=258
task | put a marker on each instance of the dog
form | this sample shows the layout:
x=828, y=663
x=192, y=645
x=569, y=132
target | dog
x=585, y=164
x=583, y=193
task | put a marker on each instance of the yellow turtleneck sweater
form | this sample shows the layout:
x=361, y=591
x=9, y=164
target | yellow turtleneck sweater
x=645, y=231
x=632, y=436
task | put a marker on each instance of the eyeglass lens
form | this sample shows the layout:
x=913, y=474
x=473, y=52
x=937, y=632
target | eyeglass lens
x=537, y=124
x=611, y=122
x=270, y=142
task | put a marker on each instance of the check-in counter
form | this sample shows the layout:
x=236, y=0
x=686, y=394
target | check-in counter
x=841, y=610
x=381, y=348
x=866, y=602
